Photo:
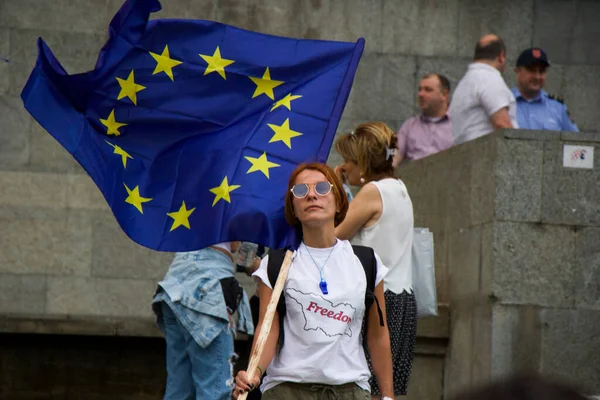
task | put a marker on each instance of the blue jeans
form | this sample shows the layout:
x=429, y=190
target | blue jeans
x=194, y=372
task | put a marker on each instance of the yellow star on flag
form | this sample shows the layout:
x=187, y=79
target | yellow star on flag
x=124, y=155
x=265, y=85
x=164, y=63
x=286, y=102
x=261, y=164
x=129, y=88
x=181, y=217
x=222, y=191
x=216, y=63
x=111, y=124
x=283, y=133
x=135, y=199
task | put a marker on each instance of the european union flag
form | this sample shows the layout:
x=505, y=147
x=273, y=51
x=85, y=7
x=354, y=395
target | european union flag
x=191, y=128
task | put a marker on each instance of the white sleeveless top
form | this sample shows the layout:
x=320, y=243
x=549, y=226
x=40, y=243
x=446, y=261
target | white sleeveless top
x=392, y=235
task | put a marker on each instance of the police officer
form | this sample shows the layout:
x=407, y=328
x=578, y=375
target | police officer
x=536, y=109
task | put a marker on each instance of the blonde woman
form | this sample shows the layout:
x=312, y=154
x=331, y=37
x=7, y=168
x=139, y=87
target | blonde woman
x=381, y=217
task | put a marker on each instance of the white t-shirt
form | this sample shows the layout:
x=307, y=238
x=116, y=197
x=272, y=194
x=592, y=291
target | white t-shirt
x=478, y=95
x=224, y=245
x=392, y=235
x=322, y=341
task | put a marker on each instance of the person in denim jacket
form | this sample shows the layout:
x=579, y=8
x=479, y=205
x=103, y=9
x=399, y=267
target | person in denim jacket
x=194, y=304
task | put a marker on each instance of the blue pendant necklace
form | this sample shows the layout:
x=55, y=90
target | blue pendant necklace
x=322, y=282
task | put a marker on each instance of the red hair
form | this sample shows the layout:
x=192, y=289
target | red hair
x=341, y=199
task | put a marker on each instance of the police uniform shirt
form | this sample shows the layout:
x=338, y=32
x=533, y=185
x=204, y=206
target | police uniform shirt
x=543, y=113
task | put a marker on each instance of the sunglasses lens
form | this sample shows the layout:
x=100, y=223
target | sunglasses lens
x=322, y=188
x=300, y=190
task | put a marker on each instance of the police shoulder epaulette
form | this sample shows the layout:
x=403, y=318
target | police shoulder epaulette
x=556, y=97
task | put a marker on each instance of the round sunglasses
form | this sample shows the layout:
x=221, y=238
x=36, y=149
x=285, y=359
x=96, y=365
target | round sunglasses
x=301, y=190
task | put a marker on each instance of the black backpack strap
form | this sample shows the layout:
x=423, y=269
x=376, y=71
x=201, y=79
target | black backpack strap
x=366, y=255
x=273, y=267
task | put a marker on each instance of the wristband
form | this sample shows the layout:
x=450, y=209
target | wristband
x=261, y=371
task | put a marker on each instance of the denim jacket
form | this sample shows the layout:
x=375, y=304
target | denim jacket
x=192, y=289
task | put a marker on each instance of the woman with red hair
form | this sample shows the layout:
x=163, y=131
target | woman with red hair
x=322, y=352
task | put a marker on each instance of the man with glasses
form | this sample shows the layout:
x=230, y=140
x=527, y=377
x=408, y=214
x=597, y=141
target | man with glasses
x=536, y=109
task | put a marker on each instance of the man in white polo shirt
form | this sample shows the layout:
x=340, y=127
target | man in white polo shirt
x=482, y=102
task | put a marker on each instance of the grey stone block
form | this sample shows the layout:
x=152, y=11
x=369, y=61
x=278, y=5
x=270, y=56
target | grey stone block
x=26, y=189
x=398, y=88
x=569, y=195
x=233, y=12
x=82, y=193
x=582, y=95
x=69, y=47
x=510, y=19
x=47, y=155
x=281, y=18
x=457, y=192
x=4, y=41
x=420, y=27
x=483, y=186
x=482, y=343
x=580, y=137
x=18, y=73
x=114, y=255
x=4, y=78
x=197, y=9
x=442, y=275
x=426, y=378
x=554, y=79
x=53, y=247
x=460, y=350
x=13, y=212
x=487, y=259
x=452, y=68
x=344, y=127
x=464, y=263
x=102, y=297
x=519, y=180
x=247, y=283
x=365, y=101
x=529, y=134
x=65, y=15
x=553, y=24
x=583, y=48
x=384, y=89
x=4, y=56
x=516, y=334
x=342, y=20
x=504, y=334
x=587, y=280
x=14, y=151
x=85, y=325
x=534, y=264
x=22, y=294
x=571, y=346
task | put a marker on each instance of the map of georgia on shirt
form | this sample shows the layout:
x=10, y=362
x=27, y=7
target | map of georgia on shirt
x=321, y=314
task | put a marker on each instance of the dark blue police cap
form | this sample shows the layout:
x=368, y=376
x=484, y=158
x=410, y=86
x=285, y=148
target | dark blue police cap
x=533, y=56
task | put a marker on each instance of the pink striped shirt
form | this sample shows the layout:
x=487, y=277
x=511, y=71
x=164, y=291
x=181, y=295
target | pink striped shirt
x=421, y=136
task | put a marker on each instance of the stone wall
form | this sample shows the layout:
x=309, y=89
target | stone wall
x=517, y=255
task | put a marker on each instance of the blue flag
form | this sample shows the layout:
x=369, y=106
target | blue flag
x=190, y=129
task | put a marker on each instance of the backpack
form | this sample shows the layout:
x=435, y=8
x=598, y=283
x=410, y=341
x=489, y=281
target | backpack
x=366, y=255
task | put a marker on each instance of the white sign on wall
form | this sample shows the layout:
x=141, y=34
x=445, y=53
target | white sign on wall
x=578, y=156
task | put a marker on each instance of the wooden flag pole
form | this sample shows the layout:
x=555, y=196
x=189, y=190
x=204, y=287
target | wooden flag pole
x=268, y=320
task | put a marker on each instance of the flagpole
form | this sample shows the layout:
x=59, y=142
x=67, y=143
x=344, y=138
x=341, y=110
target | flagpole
x=268, y=319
